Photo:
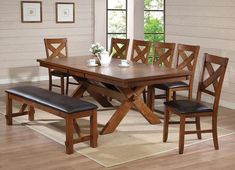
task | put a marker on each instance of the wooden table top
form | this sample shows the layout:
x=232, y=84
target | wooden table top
x=134, y=75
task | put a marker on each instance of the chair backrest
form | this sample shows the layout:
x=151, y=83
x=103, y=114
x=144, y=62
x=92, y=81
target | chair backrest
x=187, y=59
x=163, y=54
x=56, y=47
x=140, y=51
x=119, y=48
x=213, y=72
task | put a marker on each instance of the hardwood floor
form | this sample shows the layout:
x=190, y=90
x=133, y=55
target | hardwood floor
x=24, y=149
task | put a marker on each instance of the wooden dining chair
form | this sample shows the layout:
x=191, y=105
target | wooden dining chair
x=119, y=48
x=140, y=51
x=57, y=48
x=162, y=56
x=211, y=83
x=186, y=60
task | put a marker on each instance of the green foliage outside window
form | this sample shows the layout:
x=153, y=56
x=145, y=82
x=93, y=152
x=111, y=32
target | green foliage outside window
x=154, y=22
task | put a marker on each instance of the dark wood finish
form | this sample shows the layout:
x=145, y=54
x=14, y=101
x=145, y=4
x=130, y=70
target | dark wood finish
x=57, y=48
x=215, y=78
x=61, y=3
x=186, y=60
x=163, y=54
x=22, y=11
x=70, y=119
x=140, y=51
x=129, y=81
x=119, y=48
x=45, y=151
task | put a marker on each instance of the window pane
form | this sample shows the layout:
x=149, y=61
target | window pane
x=154, y=37
x=114, y=36
x=153, y=22
x=116, y=22
x=154, y=4
x=116, y=4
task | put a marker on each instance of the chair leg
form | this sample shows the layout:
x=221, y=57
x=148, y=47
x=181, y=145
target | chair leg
x=181, y=134
x=190, y=94
x=168, y=95
x=93, y=130
x=198, y=127
x=67, y=85
x=166, y=124
x=214, y=132
x=174, y=95
x=50, y=82
x=150, y=97
x=62, y=85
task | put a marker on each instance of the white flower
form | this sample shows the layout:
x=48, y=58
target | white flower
x=96, y=48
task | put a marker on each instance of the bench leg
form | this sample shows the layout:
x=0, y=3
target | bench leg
x=31, y=113
x=8, y=110
x=93, y=129
x=69, y=135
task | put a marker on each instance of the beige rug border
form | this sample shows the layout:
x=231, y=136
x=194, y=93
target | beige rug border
x=187, y=145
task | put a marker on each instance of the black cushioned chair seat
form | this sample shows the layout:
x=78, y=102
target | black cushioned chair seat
x=63, y=103
x=172, y=85
x=187, y=106
x=59, y=74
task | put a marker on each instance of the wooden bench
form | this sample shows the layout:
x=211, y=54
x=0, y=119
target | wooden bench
x=63, y=106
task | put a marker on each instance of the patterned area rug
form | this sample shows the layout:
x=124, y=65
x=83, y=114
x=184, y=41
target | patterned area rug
x=134, y=138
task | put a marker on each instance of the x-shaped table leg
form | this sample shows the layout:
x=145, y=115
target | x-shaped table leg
x=87, y=86
x=132, y=98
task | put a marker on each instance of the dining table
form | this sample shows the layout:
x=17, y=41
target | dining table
x=123, y=83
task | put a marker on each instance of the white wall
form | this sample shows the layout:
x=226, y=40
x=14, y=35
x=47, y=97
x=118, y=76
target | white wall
x=100, y=22
x=210, y=24
x=22, y=43
x=135, y=25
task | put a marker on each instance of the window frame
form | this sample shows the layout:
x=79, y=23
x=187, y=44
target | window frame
x=107, y=24
x=164, y=19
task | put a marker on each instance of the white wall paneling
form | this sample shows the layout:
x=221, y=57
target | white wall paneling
x=210, y=24
x=22, y=43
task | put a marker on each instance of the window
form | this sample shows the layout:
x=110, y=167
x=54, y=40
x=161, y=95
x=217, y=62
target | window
x=116, y=20
x=154, y=20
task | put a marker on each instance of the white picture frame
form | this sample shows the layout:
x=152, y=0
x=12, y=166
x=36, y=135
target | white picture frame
x=65, y=12
x=31, y=11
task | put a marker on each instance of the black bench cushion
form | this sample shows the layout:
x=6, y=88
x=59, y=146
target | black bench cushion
x=187, y=106
x=63, y=103
x=165, y=86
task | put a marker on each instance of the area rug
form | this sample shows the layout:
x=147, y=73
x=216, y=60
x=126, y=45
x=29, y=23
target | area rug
x=134, y=138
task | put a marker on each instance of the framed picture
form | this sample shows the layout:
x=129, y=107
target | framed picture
x=31, y=11
x=65, y=12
